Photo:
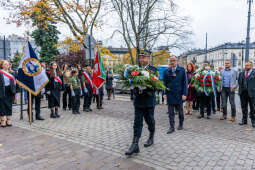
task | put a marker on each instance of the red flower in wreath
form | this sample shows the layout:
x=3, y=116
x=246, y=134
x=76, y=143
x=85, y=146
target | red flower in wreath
x=217, y=78
x=148, y=71
x=201, y=81
x=198, y=77
x=206, y=79
x=202, y=76
x=214, y=81
x=135, y=73
x=202, y=85
x=207, y=84
x=210, y=80
x=154, y=78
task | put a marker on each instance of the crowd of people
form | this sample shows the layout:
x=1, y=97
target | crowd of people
x=74, y=82
x=181, y=89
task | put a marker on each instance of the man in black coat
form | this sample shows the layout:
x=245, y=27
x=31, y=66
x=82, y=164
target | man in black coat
x=144, y=103
x=246, y=83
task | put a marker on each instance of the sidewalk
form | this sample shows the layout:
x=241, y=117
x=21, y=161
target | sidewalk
x=26, y=150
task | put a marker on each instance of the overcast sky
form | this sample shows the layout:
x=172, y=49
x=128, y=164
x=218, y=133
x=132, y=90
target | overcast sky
x=224, y=20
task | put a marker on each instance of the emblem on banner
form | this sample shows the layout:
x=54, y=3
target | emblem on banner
x=31, y=67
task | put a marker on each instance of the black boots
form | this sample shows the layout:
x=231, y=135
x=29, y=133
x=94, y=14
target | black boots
x=134, y=148
x=244, y=122
x=170, y=130
x=150, y=141
x=52, y=115
x=56, y=113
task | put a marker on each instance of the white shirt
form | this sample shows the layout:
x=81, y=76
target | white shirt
x=6, y=79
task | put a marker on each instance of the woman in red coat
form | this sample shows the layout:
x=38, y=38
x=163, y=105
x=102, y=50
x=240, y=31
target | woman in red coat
x=191, y=90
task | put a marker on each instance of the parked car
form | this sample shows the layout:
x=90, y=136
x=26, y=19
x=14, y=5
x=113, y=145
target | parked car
x=118, y=87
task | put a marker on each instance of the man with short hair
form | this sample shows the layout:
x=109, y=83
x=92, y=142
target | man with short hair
x=246, y=82
x=144, y=103
x=228, y=86
x=175, y=79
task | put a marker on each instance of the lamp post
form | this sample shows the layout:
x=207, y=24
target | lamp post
x=248, y=32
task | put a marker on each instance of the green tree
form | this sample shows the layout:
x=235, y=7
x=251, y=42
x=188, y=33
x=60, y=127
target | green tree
x=47, y=39
x=16, y=60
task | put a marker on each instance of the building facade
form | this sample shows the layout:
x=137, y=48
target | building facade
x=217, y=55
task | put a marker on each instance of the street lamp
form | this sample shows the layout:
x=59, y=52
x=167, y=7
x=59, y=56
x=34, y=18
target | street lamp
x=248, y=32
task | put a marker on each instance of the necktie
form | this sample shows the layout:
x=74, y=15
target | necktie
x=246, y=74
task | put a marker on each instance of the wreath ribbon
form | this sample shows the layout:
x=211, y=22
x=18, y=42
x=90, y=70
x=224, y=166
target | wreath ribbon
x=213, y=84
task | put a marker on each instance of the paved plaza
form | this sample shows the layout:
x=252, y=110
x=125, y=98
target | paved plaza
x=84, y=141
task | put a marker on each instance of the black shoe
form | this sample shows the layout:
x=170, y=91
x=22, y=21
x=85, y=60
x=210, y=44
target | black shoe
x=170, y=130
x=74, y=112
x=208, y=117
x=180, y=128
x=243, y=123
x=150, y=141
x=39, y=118
x=134, y=148
x=101, y=107
x=52, y=115
x=90, y=109
x=86, y=110
x=64, y=109
x=56, y=113
x=78, y=112
x=200, y=117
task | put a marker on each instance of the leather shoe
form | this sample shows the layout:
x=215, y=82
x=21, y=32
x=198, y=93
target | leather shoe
x=233, y=119
x=200, y=117
x=150, y=141
x=223, y=117
x=243, y=123
x=208, y=117
x=170, y=130
x=180, y=128
x=39, y=118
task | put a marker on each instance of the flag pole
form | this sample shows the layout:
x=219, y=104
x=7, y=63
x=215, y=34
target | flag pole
x=30, y=108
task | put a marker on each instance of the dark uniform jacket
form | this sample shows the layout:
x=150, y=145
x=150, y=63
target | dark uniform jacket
x=2, y=87
x=147, y=97
x=247, y=84
x=177, y=86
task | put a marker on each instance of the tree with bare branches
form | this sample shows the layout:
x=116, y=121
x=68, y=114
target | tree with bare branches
x=150, y=23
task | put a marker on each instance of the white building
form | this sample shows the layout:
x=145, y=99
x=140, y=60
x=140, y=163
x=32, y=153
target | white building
x=217, y=55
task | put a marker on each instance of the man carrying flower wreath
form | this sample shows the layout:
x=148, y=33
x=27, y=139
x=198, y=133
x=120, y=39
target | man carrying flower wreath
x=144, y=103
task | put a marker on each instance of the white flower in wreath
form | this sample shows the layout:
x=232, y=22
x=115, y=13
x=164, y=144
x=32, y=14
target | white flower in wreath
x=207, y=68
x=205, y=72
x=146, y=74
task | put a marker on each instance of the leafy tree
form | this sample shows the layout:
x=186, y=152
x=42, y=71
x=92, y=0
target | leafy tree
x=47, y=39
x=16, y=60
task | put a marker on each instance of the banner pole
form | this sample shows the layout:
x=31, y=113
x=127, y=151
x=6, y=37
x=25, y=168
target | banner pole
x=21, y=103
x=30, y=108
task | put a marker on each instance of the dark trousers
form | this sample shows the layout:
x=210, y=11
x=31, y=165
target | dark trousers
x=171, y=114
x=87, y=100
x=213, y=103
x=227, y=93
x=99, y=100
x=37, y=101
x=76, y=101
x=67, y=92
x=148, y=114
x=205, y=101
x=109, y=93
x=196, y=104
x=219, y=100
x=245, y=101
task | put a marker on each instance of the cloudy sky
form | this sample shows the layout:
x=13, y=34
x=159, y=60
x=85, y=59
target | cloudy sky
x=224, y=20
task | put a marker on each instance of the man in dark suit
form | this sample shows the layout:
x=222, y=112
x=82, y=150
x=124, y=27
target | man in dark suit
x=246, y=82
x=144, y=103
x=175, y=79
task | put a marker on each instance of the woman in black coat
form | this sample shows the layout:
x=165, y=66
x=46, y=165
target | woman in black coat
x=7, y=93
x=109, y=85
x=53, y=89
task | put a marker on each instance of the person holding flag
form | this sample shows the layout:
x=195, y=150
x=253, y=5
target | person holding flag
x=7, y=93
x=53, y=89
x=98, y=79
x=88, y=89
x=32, y=77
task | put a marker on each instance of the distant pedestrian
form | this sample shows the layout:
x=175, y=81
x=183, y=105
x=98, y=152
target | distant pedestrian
x=109, y=84
x=228, y=87
x=219, y=98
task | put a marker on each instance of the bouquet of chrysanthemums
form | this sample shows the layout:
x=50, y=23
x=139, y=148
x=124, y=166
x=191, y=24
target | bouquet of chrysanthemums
x=132, y=76
x=206, y=80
